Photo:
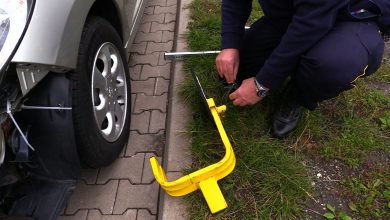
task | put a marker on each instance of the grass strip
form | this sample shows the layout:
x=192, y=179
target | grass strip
x=271, y=179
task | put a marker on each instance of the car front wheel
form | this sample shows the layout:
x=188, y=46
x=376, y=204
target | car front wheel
x=101, y=94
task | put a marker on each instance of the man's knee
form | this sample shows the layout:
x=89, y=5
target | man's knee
x=350, y=51
x=326, y=72
x=325, y=77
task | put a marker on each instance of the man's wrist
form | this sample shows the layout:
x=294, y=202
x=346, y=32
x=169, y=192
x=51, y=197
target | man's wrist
x=261, y=90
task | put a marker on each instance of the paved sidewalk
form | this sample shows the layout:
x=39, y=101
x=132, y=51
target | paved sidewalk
x=127, y=189
x=177, y=152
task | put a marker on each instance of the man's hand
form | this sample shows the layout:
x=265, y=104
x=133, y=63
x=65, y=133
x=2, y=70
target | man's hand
x=227, y=63
x=245, y=94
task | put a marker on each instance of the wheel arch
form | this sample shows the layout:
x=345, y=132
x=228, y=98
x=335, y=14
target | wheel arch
x=109, y=10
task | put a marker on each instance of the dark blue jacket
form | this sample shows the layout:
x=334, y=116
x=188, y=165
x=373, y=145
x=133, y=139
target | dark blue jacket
x=303, y=22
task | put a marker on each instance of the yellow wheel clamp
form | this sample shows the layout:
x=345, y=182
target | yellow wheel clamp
x=206, y=178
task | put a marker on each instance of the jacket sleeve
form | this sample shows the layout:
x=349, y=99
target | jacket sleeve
x=312, y=20
x=235, y=13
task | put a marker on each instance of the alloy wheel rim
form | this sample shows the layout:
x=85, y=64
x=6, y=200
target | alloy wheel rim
x=109, y=92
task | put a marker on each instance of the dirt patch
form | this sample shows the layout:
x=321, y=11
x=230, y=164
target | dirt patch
x=386, y=56
x=377, y=158
x=385, y=87
x=326, y=176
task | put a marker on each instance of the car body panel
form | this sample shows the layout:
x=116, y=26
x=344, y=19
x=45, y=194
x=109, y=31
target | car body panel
x=55, y=30
x=136, y=16
x=54, y=33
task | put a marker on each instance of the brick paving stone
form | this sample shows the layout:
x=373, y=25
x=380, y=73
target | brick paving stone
x=167, y=36
x=156, y=71
x=171, y=2
x=138, y=48
x=135, y=72
x=123, y=168
x=79, y=215
x=157, y=2
x=151, y=59
x=136, y=196
x=157, y=121
x=145, y=215
x=162, y=61
x=144, y=86
x=145, y=103
x=147, y=173
x=149, y=10
x=140, y=122
x=89, y=175
x=130, y=214
x=162, y=27
x=149, y=18
x=152, y=47
x=143, y=37
x=101, y=197
x=139, y=143
x=169, y=18
x=162, y=10
x=162, y=86
x=145, y=27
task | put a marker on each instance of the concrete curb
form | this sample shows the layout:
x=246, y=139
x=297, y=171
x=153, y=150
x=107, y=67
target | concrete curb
x=177, y=155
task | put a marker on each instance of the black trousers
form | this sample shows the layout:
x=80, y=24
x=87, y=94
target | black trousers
x=349, y=51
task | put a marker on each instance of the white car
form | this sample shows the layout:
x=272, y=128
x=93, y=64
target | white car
x=64, y=95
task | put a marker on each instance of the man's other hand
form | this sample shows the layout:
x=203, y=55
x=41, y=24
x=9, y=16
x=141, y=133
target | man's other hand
x=245, y=94
x=227, y=63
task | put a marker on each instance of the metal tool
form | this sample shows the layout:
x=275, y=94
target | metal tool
x=204, y=179
x=182, y=55
x=59, y=107
x=201, y=94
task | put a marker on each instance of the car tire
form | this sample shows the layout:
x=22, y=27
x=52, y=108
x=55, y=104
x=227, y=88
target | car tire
x=101, y=98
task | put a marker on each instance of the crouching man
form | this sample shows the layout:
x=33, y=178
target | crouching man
x=324, y=46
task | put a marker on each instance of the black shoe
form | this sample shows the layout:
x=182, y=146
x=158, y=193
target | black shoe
x=286, y=119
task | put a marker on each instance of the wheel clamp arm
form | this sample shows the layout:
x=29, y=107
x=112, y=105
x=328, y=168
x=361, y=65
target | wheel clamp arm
x=204, y=179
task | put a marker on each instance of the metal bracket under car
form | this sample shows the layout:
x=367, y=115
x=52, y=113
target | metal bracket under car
x=204, y=179
x=30, y=74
